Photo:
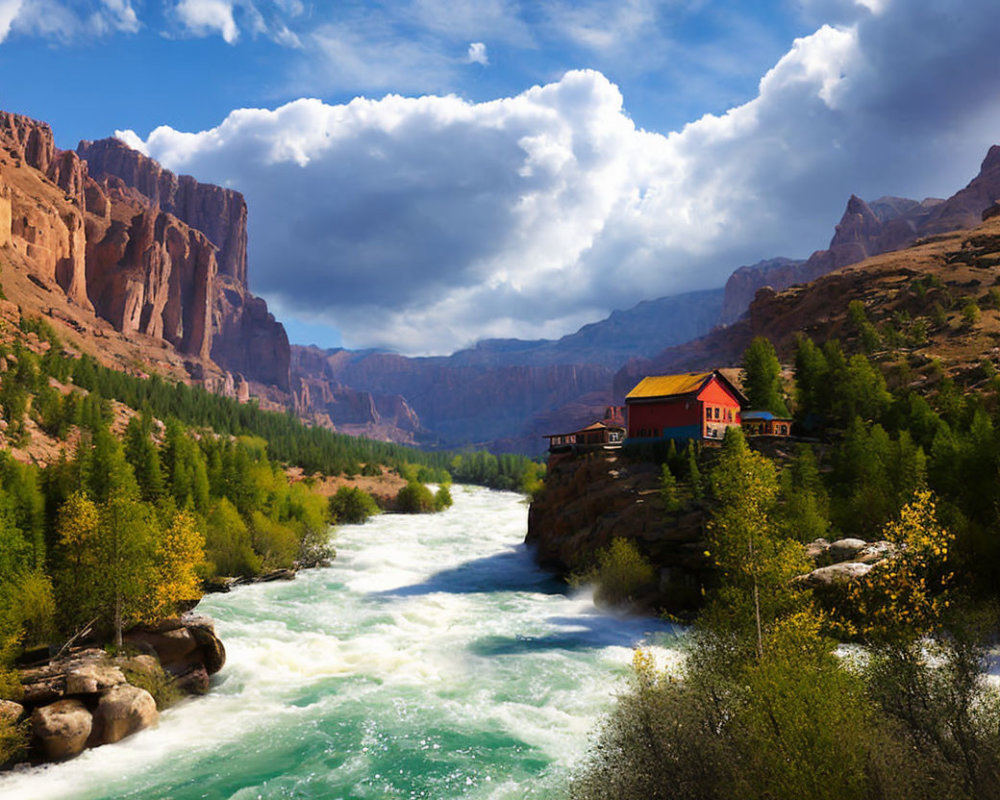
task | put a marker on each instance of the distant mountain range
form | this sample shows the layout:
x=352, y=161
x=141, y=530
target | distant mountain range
x=149, y=270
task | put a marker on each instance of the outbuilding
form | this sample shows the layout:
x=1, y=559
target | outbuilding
x=764, y=423
x=692, y=405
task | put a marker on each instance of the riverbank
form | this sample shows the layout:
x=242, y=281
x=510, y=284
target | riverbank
x=433, y=659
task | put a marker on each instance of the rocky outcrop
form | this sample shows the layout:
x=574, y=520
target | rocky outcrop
x=965, y=208
x=182, y=644
x=87, y=698
x=203, y=229
x=156, y=276
x=122, y=711
x=28, y=140
x=247, y=338
x=61, y=730
x=864, y=230
x=588, y=501
x=220, y=214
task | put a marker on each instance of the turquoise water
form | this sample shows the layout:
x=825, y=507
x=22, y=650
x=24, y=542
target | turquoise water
x=433, y=660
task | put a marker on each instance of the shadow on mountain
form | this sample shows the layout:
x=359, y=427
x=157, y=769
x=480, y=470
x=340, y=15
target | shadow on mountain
x=509, y=571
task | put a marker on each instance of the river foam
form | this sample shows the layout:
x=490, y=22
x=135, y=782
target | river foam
x=433, y=660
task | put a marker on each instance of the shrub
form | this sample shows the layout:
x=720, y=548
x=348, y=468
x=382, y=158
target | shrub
x=442, y=498
x=415, y=498
x=13, y=741
x=970, y=313
x=158, y=683
x=622, y=572
x=351, y=505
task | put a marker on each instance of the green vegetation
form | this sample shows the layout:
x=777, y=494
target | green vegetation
x=620, y=574
x=416, y=498
x=352, y=505
x=765, y=709
x=762, y=377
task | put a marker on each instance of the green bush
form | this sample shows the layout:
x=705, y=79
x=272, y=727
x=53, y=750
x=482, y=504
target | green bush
x=158, y=683
x=442, y=497
x=351, y=505
x=13, y=741
x=415, y=498
x=621, y=573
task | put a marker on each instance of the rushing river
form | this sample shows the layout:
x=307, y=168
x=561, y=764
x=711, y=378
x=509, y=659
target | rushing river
x=433, y=660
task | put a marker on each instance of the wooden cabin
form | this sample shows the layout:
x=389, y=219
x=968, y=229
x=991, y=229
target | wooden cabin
x=693, y=405
x=599, y=434
x=764, y=423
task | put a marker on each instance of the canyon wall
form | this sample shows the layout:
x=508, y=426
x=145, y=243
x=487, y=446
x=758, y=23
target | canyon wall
x=150, y=252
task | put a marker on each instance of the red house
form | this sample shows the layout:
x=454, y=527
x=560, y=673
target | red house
x=694, y=405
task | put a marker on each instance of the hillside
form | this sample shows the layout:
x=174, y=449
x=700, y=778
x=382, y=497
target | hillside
x=900, y=290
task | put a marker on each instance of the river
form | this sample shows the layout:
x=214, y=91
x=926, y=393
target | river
x=432, y=660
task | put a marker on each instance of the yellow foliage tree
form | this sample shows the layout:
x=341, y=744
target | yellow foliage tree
x=904, y=595
x=179, y=552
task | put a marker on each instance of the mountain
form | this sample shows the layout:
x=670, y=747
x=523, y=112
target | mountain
x=915, y=295
x=864, y=230
x=638, y=331
x=457, y=404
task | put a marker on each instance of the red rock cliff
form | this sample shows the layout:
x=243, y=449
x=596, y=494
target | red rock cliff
x=220, y=214
x=239, y=332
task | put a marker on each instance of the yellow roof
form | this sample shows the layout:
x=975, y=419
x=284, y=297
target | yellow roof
x=666, y=385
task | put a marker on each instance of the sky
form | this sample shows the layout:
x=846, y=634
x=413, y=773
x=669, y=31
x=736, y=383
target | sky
x=426, y=173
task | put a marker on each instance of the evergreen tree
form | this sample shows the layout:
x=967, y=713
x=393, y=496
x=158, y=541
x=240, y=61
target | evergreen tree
x=762, y=377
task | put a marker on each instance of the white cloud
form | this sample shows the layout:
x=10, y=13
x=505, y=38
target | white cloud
x=9, y=9
x=425, y=223
x=232, y=18
x=204, y=17
x=477, y=54
x=67, y=21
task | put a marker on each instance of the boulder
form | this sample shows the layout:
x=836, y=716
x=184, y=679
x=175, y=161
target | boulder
x=817, y=549
x=877, y=551
x=172, y=647
x=61, y=730
x=834, y=575
x=213, y=652
x=84, y=672
x=93, y=677
x=846, y=549
x=194, y=681
x=10, y=711
x=122, y=711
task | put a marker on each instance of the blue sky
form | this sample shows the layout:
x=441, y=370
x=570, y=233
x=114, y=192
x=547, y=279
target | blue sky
x=665, y=142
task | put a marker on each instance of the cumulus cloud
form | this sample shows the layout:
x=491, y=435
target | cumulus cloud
x=477, y=54
x=65, y=21
x=9, y=9
x=425, y=223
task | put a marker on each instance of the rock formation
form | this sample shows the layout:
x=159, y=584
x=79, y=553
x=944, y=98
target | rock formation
x=864, y=230
x=220, y=214
x=85, y=698
x=589, y=501
x=149, y=251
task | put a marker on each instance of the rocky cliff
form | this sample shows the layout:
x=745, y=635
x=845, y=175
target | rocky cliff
x=591, y=500
x=150, y=252
x=864, y=230
x=244, y=337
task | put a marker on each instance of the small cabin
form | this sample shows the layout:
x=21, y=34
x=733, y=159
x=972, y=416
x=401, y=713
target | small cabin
x=692, y=405
x=764, y=423
x=599, y=434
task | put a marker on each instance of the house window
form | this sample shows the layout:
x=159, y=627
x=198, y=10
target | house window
x=716, y=413
x=708, y=412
